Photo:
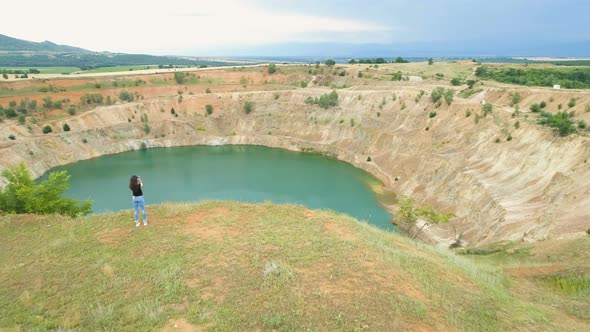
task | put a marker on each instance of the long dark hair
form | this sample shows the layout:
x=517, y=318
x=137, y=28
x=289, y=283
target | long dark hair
x=134, y=182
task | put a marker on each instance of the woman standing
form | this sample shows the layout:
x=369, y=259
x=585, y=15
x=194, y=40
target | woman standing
x=136, y=187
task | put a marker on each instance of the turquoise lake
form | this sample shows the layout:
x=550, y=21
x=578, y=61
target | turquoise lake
x=240, y=173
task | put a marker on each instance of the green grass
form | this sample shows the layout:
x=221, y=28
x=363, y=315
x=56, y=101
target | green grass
x=115, y=69
x=469, y=92
x=46, y=70
x=232, y=266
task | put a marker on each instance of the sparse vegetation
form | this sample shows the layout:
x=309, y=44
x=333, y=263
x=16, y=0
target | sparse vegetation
x=486, y=109
x=561, y=122
x=126, y=96
x=515, y=98
x=272, y=68
x=248, y=107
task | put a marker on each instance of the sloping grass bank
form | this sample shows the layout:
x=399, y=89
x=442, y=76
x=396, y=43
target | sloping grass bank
x=233, y=266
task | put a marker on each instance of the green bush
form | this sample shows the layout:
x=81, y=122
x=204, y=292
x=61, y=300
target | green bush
x=543, y=104
x=561, y=122
x=22, y=195
x=66, y=127
x=272, y=68
x=437, y=94
x=581, y=124
x=330, y=62
x=72, y=110
x=147, y=128
x=328, y=100
x=248, y=107
x=11, y=137
x=21, y=119
x=467, y=113
x=449, y=93
x=91, y=98
x=456, y=81
x=516, y=98
x=571, y=103
x=535, y=108
x=207, y=90
x=432, y=114
x=486, y=109
x=209, y=109
x=126, y=96
x=47, y=130
x=180, y=77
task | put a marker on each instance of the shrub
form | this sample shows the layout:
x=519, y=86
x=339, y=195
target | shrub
x=303, y=84
x=21, y=119
x=330, y=62
x=91, y=98
x=509, y=138
x=172, y=111
x=449, y=93
x=22, y=195
x=72, y=110
x=486, y=109
x=11, y=137
x=471, y=83
x=560, y=122
x=180, y=77
x=543, y=104
x=84, y=141
x=535, y=108
x=581, y=124
x=147, y=128
x=571, y=103
x=309, y=100
x=360, y=74
x=497, y=140
x=432, y=114
x=517, y=124
x=467, y=113
x=47, y=130
x=430, y=61
x=456, y=81
x=248, y=107
x=399, y=59
x=437, y=94
x=397, y=76
x=516, y=98
x=207, y=90
x=209, y=109
x=272, y=68
x=588, y=231
x=66, y=127
x=276, y=95
x=328, y=100
x=126, y=96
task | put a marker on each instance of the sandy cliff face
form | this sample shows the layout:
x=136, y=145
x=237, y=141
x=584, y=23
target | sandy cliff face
x=531, y=187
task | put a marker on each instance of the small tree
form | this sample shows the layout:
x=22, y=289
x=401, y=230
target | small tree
x=456, y=81
x=330, y=62
x=471, y=83
x=66, y=127
x=180, y=77
x=5, y=76
x=486, y=109
x=209, y=109
x=272, y=68
x=22, y=195
x=11, y=137
x=437, y=94
x=430, y=61
x=47, y=130
x=399, y=59
x=21, y=119
x=449, y=93
x=126, y=96
x=571, y=103
x=515, y=98
x=248, y=107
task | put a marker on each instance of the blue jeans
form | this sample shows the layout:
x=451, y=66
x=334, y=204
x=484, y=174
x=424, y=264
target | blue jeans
x=139, y=202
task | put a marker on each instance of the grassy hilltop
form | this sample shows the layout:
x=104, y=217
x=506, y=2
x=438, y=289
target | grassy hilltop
x=233, y=266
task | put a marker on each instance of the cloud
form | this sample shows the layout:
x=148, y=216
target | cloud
x=173, y=26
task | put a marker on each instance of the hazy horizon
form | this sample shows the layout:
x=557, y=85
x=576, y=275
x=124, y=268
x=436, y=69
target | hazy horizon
x=310, y=28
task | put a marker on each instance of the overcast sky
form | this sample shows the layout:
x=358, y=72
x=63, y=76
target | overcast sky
x=212, y=27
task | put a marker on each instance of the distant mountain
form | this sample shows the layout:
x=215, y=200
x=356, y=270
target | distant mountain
x=22, y=53
x=18, y=45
